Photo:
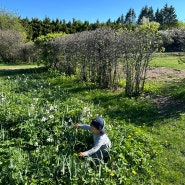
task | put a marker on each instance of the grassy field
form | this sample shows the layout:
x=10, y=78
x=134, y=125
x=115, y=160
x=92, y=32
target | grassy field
x=147, y=137
x=20, y=66
x=167, y=61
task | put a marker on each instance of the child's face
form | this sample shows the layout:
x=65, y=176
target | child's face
x=94, y=130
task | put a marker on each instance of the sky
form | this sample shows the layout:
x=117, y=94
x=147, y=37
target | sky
x=85, y=10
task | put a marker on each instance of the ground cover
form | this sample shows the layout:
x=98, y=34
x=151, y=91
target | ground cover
x=38, y=142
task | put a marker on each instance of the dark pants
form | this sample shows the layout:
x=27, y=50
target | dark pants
x=101, y=155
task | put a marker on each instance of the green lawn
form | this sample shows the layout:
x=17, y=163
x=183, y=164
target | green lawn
x=167, y=61
x=20, y=66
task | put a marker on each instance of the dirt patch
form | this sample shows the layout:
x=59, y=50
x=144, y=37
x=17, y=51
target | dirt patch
x=165, y=74
x=166, y=105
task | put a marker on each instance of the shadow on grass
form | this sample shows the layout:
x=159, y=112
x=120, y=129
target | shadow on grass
x=146, y=110
x=139, y=112
x=10, y=72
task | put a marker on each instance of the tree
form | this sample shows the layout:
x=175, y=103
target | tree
x=36, y=25
x=146, y=12
x=46, y=26
x=166, y=17
x=137, y=48
x=8, y=21
x=173, y=40
x=11, y=41
x=130, y=17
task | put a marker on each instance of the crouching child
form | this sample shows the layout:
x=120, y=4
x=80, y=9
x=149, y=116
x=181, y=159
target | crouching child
x=100, y=150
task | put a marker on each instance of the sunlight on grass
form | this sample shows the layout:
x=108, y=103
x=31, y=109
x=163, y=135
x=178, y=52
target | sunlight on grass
x=20, y=66
x=167, y=61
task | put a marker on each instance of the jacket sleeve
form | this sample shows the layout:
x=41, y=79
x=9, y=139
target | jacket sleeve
x=85, y=127
x=96, y=147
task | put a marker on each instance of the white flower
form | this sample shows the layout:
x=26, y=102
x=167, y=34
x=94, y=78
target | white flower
x=57, y=149
x=51, y=116
x=35, y=99
x=86, y=109
x=70, y=120
x=51, y=107
x=36, y=144
x=43, y=119
x=49, y=139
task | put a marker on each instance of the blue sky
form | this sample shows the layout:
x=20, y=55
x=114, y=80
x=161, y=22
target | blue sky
x=90, y=10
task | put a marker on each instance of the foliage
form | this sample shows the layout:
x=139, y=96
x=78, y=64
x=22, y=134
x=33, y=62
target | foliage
x=89, y=53
x=146, y=12
x=39, y=141
x=40, y=44
x=166, y=17
x=9, y=21
x=36, y=28
x=11, y=41
x=137, y=48
x=173, y=40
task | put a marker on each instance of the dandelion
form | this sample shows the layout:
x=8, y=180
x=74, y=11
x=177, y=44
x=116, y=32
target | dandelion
x=129, y=136
x=75, y=154
x=134, y=172
x=112, y=174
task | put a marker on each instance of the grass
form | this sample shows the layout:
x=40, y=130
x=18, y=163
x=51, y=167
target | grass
x=15, y=66
x=166, y=129
x=167, y=61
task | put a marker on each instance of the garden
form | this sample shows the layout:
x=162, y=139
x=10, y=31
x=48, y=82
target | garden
x=124, y=74
x=39, y=143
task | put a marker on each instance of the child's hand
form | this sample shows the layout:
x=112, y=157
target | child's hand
x=82, y=154
x=77, y=125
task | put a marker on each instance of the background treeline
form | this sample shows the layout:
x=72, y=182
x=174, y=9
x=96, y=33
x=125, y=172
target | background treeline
x=94, y=52
x=166, y=17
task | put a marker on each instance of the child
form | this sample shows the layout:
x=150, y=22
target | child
x=101, y=140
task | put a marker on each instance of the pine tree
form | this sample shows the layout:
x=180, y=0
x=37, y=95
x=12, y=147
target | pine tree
x=147, y=13
x=166, y=17
x=130, y=17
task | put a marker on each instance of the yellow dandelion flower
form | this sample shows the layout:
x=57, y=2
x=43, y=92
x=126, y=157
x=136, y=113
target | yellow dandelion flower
x=134, y=172
x=75, y=154
x=111, y=174
x=109, y=171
